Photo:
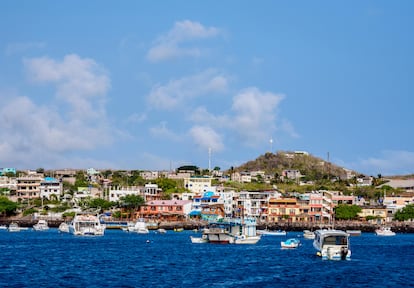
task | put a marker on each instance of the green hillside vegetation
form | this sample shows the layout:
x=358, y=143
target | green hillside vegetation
x=313, y=168
x=316, y=172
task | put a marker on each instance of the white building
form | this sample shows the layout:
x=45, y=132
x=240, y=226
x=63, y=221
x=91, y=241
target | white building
x=115, y=195
x=252, y=204
x=50, y=186
x=198, y=184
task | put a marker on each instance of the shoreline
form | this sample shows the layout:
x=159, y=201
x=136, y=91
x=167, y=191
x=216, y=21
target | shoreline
x=398, y=227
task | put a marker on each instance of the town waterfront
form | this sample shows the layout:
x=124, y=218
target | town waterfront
x=120, y=259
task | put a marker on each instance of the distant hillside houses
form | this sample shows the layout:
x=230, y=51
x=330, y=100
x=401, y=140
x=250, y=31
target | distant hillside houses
x=203, y=200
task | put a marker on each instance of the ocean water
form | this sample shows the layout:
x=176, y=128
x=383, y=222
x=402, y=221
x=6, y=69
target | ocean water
x=121, y=259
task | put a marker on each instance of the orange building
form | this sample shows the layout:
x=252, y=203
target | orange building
x=166, y=210
x=284, y=210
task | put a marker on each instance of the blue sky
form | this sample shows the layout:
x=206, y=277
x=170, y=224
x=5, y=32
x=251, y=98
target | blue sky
x=156, y=84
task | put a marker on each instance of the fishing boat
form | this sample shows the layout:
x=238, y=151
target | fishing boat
x=332, y=244
x=384, y=231
x=41, y=225
x=233, y=231
x=218, y=234
x=290, y=243
x=84, y=224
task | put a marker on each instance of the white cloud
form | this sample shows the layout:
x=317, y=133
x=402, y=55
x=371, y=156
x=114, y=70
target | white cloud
x=170, y=45
x=137, y=118
x=206, y=137
x=390, y=162
x=80, y=82
x=180, y=91
x=254, y=115
x=162, y=131
x=43, y=133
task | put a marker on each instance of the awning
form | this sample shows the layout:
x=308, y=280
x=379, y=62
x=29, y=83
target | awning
x=194, y=213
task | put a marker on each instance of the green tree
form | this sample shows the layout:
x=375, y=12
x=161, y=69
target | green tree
x=132, y=201
x=7, y=207
x=346, y=212
x=81, y=180
x=100, y=203
x=406, y=213
x=166, y=184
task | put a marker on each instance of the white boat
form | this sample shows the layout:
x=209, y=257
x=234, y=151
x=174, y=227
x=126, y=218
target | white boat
x=384, y=231
x=64, y=227
x=139, y=227
x=290, y=243
x=41, y=225
x=14, y=227
x=3, y=227
x=271, y=233
x=307, y=234
x=199, y=240
x=218, y=235
x=86, y=224
x=354, y=232
x=244, y=239
x=332, y=244
x=161, y=230
x=233, y=231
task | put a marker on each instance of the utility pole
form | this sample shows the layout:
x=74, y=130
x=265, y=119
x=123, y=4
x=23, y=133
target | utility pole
x=209, y=160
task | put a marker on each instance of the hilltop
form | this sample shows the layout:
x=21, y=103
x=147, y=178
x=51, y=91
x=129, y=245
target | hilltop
x=310, y=166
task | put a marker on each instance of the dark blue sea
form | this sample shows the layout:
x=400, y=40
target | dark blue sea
x=121, y=259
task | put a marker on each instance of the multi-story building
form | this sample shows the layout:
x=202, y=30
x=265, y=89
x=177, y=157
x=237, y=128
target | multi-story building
x=167, y=210
x=50, y=186
x=315, y=207
x=253, y=204
x=8, y=183
x=116, y=194
x=198, y=184
x=376, y=214
x=152, y=192
x=284, y=210
x=28, y=187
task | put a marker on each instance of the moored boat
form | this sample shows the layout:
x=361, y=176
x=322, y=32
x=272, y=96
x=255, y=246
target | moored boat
x=199, y=240
x=14, y=227
x=233, y=231
x=139, y=227
x=267, y=232
x=161, y=230
x=64, y=227
x=384, y=231
x=354, y=232
x=307, y=234
x=290, y=243
x=41, y=225
x=332, y=244
x=84, y=224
